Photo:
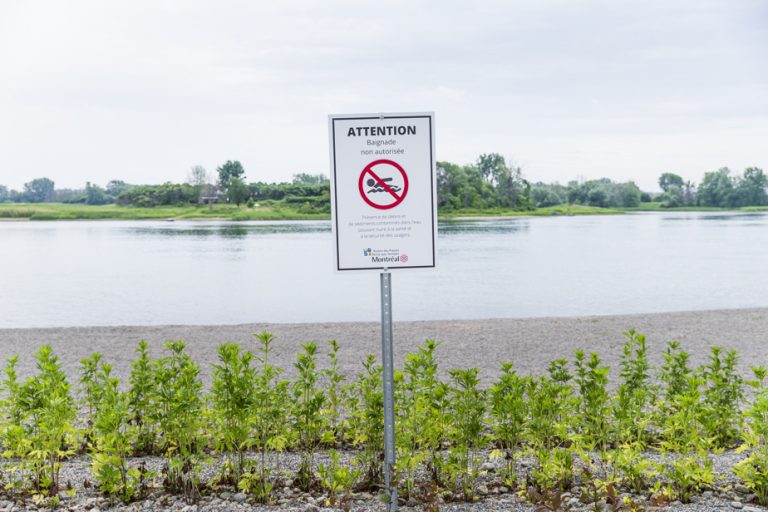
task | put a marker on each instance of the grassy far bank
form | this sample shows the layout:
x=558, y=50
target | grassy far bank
x=59, y=211
x=275, y=211
x=657, y=207
x=279, y=211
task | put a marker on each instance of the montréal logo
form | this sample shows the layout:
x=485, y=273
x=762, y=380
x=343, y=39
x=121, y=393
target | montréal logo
x=367, y=252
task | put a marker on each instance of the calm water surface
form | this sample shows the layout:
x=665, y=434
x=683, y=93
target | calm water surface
x=211, y=272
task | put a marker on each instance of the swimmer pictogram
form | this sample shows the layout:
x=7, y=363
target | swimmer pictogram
x=383, y=184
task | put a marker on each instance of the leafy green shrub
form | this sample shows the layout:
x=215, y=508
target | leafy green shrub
x=308, y=401
x=269, y=414
x=178, y=414
x=366, y=420
x=336, y=393
x=553, y=469
x=508, y=412
x=338, y=481
x=420, y=415
x=48, y=415
x=636, y=470
x=682, y=428
x=468, y=406
x=550, y=404
x=635, y=394
x=140, y=400
x=232, y=398
x=15, y=440
x=688, y=474
x=753, y=471
x=722, y=398
x=756, y=415
x=592, y=383
x=90, y=386
x=112, y=440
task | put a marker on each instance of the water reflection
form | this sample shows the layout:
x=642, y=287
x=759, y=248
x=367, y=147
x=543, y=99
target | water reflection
x=499, y=227
x=243, y=229
x=715, y=216
x=229, y=229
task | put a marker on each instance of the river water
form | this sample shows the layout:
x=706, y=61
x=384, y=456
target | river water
x=215, y=272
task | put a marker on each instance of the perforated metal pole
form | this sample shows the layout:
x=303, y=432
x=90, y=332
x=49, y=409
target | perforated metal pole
x=389, y=389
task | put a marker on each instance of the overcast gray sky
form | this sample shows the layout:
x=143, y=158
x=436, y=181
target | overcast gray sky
x=141, y=90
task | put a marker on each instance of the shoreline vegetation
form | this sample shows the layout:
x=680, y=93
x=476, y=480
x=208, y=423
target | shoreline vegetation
x=491, y=187
x=530, y=344
x=60, y=211
x=585, y=433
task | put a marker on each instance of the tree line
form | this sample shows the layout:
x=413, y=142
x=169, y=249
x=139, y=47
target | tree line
x=489, y=183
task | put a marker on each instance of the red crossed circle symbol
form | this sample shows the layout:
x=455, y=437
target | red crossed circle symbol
x=379, y=182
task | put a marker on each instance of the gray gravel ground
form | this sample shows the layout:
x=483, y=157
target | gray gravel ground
x=529, y=343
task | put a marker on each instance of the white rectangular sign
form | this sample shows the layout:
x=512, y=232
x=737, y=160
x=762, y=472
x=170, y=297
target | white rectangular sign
x=383, y=190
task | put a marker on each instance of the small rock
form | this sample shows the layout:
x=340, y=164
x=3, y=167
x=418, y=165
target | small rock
x=503, y=490
x=741, y=489
x=225, y=495
x=751, y=509
x=574, y=502
x=482, y=490
x=189, y=508
x=412, y=503
x=240, y=497
x=311, y=508
x=488, y=466
x=737, y=504
x=676, y=504
x=708, y=494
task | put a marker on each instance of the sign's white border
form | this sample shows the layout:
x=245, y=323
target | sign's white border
x=334, y=214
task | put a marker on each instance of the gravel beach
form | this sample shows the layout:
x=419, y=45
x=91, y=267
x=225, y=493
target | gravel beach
x=529, y=343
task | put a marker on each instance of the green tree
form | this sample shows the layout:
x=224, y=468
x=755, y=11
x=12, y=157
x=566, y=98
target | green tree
x=626, y=195
x=4, y=194
x=94, y=194
x=237, y=191
x=39, y=190
x=199, y=179
x=304, y=178
x=672, y=197
x=751, y=188
x=493, y=167
x=544, y=195
x=116, y=187
x=231, y=170
x=597, y=196
x=668, y=180
x=716, y=189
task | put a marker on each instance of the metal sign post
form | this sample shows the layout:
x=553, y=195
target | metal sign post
x=389, y=389
x=384, y=216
